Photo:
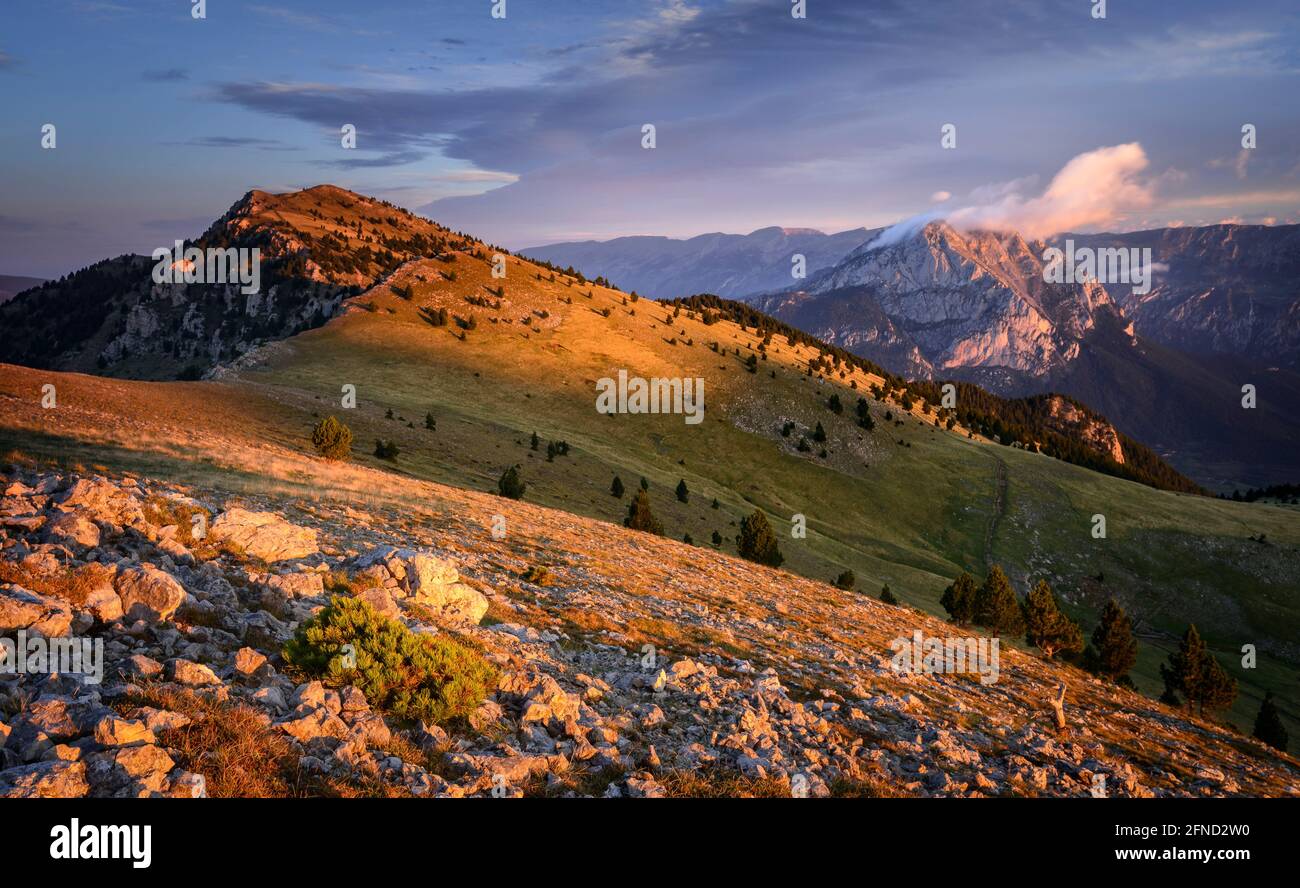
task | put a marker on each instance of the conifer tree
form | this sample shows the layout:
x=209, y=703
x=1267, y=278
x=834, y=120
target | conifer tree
x=616, y=488
x=535, y=442
x=996, y=606
x=1113, y=650
x=1046, y=628
x=1268, y=724
x=887, y=595
x=639, y=516
x=717, y=538
x=959, y=599
x=683, y=495
x=845, y=580
x=757, y=542
x=1193, y=674
x=819, y=434
x=511, y=485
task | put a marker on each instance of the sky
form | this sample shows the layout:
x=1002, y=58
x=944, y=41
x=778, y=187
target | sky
x=528, y=129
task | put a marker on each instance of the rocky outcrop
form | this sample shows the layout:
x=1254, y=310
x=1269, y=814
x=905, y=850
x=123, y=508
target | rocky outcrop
x=263, y=535
x=572, y=714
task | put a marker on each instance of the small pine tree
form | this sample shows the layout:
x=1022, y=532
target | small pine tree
x=835, y=405
x=535, y=442
x=757, y=542
x=845, y=580
x=686, y=538
x=887, y=595
x=1193, y=674
x=511, y=485
x=1046, y=628
x=430, y=423
x=332, y=439
x=639, y=516
x=683, y=495
x=1268, y=724
x=996, y=606
x=959, y=599
x=819, y=434
x=386, y=449
x=645, y=485
x=717, y=538
x=616, y=489
x=1113, y=650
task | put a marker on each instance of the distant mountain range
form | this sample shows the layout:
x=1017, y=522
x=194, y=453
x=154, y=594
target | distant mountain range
x=1167, y=367
x=730, y=265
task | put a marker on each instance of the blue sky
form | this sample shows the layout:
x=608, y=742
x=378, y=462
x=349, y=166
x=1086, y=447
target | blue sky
x=527, y=130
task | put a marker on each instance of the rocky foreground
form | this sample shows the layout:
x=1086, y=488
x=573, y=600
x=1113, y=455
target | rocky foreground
x=679, y=672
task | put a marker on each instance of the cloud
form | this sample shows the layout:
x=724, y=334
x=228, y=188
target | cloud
x=940, y=196
x=1095, y=189
x=236, y=142
x=167, y=75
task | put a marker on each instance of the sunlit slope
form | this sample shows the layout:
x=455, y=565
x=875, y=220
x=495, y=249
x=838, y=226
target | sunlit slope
x=905, y=504
x=910, y=514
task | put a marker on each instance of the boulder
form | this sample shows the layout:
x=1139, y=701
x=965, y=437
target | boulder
x=55, y=779
x=455, y=603
x=189, y=673
x=381, y=600
x=263, y=535
x=114, y=731
x=148, y=593
x=72, y=529
x=21, y=609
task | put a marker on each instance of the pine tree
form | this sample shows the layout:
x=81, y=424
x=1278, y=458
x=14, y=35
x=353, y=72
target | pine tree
x=1218, y=688
x=511, y=484
x=1113, y=650
x=757, y=542
x=996, y=606
x=1183, y=673
x=683, y=495
x=887, y=595
x=1046, y=628
x=535, y=441
x=1194, y=674
x=617, y=487
x=1268, y=724
x=834, y=404
x=959, y=599
x=429, y=422
x=645, y=485
x=717, y=538
x=845, y=580
x=819, y=434
x=639, y=516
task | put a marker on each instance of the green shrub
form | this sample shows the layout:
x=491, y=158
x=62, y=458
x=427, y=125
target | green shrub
x=415, y=677
x=386, y=449
x=332, y=439
x=757, y=542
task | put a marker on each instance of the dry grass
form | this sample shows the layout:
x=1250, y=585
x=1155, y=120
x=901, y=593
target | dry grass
x=70, y=585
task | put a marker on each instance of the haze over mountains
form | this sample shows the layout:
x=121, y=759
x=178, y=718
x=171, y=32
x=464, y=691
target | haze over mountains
x=730, y=265
x=1167, y=366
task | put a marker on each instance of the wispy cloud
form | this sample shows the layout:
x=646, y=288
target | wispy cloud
x=165, y=75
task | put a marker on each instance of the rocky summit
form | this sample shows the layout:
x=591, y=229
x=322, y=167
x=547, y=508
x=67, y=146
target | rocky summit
x=660, y=671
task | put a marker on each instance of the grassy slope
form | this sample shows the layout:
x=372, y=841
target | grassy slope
x=907, y=516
